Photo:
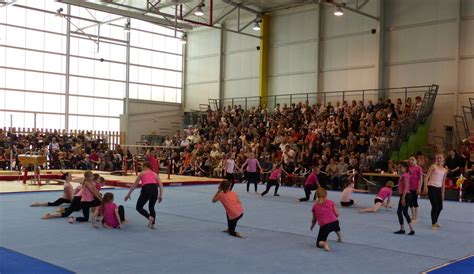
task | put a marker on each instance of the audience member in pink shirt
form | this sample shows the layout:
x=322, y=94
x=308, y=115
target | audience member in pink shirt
x=233, y=207
x=325, y=213
x=273, y=180
x=384, y=194
x=112, y=216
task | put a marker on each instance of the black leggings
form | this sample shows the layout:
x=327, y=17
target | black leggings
x=148, y=194
x=436, y=200
x=252, y=177
x=271, y=183
x=232, y=224
x=230, y=178
x=121, y=212
x=86, y=208
x=403, y=209
x=59, y=201
x=74, y=206
x=307, y=192
x=413, y=201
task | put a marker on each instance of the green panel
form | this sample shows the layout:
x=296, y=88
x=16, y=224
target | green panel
x=415, y=142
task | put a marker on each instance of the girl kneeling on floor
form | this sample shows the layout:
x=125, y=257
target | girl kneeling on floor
x=325, y=213
x=233, y=206
x=113, y=216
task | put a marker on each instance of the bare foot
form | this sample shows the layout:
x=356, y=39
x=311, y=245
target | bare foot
x=34, y=204
x=150, y=221
x=434, y=227
x=238, y=235
x=71, y=220
x=326, y=247
x=47, y=216
x=152, y=226
x=437, y=225
x=125, y=222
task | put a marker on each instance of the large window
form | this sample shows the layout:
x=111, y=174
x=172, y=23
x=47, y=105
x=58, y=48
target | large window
x=33, y=59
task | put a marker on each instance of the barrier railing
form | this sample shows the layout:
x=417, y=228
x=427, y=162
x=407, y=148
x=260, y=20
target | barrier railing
x=112, y=138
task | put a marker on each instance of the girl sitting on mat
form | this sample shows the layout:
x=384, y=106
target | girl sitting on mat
x=68, y=193
x=75, y=203
x=384, y=194
x=150, y=182
x=233, y=207
x=325, y=213
x=346, y=200
x=403, y=190
x=112, y=216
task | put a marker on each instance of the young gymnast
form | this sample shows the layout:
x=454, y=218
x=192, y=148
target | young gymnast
x=414, y=186
x=112, y=216
x=90, y=198
x=311, y=183
x=346, y=200
x=325, y=213
x=68, y=192
x=150, y=182
x=252, y=175
x=384, y=194
x=233, y=207
x=435, y=186
x=75, y=203
x=403, y=190
x=273, y=180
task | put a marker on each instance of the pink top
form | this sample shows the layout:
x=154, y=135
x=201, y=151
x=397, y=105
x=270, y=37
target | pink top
x=229, y=166
x=154, y=162
x=252, y=165
x=148, y=177
x=311, y=180
x=275, y=173
x=109, y=215
x=384, y=193
x=324, y=212
x=87, y=195
x=346, y=193
x=97, y=186
x=436, y=178
x=415, y=175
x=231, y=203
x=401, y=182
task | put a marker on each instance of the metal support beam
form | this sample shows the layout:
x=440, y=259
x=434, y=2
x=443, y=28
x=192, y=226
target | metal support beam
x=247, y=25
x=319, y=77
x=264, y=48
x=8, y=3
x=380, y=66
x=221, y=67
x=359, y=12
x=127, y=82
x=140, y=14
x=457, y=107
x=102, y=23
x=256, y=12
x=225, y=15
x=68, y=64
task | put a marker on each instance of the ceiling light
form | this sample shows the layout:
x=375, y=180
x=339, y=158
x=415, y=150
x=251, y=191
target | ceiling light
x=338, y=11
x=127, y=27
x=256, y=27
x=183, y=39
x=59, y=12
x=199, y=11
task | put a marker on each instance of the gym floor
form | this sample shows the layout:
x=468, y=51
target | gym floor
x=188, y=238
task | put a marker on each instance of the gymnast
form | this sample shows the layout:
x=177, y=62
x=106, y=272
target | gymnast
x=68, y=192
x=384, y=194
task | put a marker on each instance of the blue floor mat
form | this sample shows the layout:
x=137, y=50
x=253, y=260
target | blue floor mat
x=465, y=265
x=14, y=262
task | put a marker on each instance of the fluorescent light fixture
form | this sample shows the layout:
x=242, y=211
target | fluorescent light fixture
x=199, y=11
x=338, y=11
x=256, y=26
